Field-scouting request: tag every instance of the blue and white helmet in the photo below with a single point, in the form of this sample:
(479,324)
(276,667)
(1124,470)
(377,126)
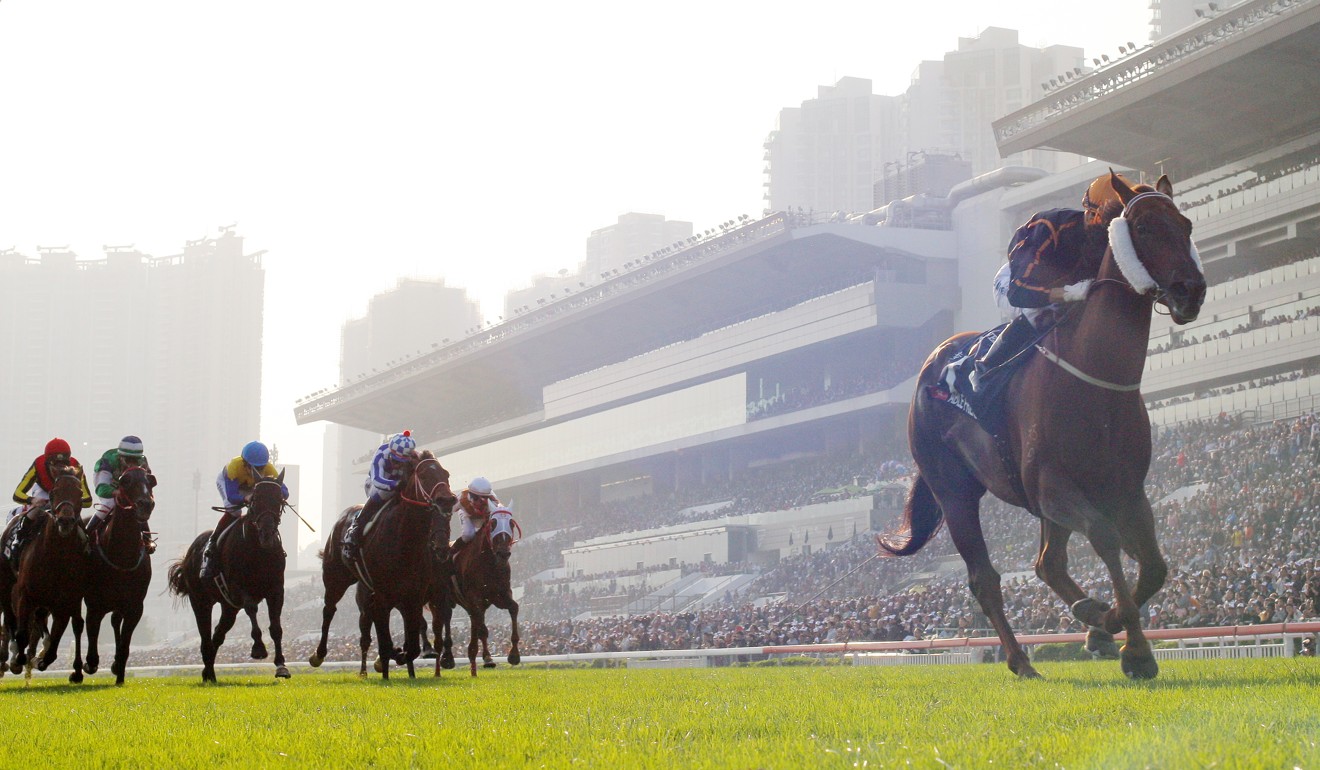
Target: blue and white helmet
(402,445)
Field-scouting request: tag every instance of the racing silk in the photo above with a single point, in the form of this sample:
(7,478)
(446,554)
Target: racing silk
(108,468)
(385,473)
(237,479)
(1043,254)
(38,481)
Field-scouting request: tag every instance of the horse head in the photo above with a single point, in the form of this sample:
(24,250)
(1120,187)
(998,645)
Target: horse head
(502,527)
(265,507)
(135,493)
(1152,246)
(428,487)
(66,497)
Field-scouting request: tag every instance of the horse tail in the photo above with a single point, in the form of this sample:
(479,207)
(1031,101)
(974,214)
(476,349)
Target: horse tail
(182,571)
(922,517)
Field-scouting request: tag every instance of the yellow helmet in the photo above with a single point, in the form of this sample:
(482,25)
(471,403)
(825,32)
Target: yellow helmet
(1100,195)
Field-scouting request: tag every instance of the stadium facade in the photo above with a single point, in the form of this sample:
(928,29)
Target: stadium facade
(787,337)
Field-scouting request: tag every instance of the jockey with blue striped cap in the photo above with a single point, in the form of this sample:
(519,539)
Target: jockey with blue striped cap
(391,464)
(235,483)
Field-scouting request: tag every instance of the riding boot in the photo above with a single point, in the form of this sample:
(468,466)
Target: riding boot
(17,539)
(93,525)
(1008,344)
(210,563)
(352,548)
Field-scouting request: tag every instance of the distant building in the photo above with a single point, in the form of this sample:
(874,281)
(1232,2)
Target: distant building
(405,322)
(165,348)
(924,173)
(610,250)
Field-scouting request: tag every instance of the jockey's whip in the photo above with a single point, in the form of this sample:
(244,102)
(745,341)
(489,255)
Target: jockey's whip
(299,515)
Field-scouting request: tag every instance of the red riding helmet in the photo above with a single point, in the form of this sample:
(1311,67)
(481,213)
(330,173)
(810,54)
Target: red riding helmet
(58,446)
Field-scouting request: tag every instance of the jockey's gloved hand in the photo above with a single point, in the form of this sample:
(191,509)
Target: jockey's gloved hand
(1076,292)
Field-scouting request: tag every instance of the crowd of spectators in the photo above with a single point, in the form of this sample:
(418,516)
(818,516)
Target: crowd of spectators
(1251,323)
(1264,174)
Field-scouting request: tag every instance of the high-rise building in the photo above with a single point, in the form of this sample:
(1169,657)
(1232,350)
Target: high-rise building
(827,154)
(407,321)
(165,348)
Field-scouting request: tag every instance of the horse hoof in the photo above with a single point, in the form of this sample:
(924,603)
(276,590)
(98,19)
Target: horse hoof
(1089,611)
(42,665)
(488,664)
(76,677)
(377,665)
(514,659)
(92,666)
(446,663)
(282,672)
(1101,644)
(258,652)
(118,670)
(362,675)
(1139,668)
(315,661)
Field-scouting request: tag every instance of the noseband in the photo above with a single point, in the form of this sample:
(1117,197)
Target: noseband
(425,498)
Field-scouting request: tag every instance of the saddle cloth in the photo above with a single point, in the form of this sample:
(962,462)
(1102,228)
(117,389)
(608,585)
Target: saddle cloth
(985,405)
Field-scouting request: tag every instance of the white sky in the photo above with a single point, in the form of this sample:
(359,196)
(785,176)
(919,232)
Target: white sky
(482,142)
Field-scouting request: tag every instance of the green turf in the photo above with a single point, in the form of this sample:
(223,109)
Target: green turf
(1224,714)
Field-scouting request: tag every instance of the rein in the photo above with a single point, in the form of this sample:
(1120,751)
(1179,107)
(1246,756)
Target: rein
(427,495)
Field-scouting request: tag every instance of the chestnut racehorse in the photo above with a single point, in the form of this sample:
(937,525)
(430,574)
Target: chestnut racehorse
(1077,443)
(252,567)
(121,569)
(52,573)
(395,555)
(478,577)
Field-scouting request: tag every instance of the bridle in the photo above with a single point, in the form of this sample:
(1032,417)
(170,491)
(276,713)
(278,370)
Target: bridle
(425,498)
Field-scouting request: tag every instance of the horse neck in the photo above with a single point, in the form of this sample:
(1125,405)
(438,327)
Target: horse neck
(122,533)
(1110,338)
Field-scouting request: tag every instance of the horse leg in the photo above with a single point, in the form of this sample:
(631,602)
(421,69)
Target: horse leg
(93,633)
(445,636)
(336,582)
(77,676)
(412,630)
(478,621)
(202,614)
(384,643)
(1052,569)
(364,637)
(258,648)
(227,617)
(1138,538)
(962,517)
(274,609)
(514,657)
(428,651)
(1137,662)
(123,637)
(50,651)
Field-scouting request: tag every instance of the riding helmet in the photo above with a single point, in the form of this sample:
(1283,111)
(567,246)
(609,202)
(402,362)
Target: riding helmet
(402,445)
(58,446)
(130,446)
(256,454)
(480,486)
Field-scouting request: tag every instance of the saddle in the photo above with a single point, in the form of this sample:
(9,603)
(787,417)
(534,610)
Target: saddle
(986,405)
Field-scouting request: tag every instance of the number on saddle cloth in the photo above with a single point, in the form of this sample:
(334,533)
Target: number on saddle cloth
(986,404)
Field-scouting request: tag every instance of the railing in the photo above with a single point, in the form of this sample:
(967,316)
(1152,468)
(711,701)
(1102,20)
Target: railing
(1264,640)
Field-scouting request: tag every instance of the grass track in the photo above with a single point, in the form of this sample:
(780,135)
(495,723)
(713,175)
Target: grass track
(1226,714)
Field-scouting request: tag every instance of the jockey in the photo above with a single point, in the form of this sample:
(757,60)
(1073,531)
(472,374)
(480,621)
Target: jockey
(393,460)
(474,504)
(235,483)
(108,468)
(1042,255)
(34,491)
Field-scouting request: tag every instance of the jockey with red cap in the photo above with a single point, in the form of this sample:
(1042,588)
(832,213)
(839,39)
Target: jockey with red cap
(390,465)
(1043,255)
(235,484)
(475,503)
(34,491)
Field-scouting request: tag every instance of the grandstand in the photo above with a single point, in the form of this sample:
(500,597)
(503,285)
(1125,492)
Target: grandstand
(737,402)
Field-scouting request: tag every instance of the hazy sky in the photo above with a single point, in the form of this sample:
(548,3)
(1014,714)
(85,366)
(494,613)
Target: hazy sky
(360,142)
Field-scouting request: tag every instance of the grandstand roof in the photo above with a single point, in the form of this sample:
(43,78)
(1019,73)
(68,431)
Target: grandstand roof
(744,272)
(1215,92)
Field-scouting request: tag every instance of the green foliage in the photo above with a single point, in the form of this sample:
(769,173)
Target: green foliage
(1236,713)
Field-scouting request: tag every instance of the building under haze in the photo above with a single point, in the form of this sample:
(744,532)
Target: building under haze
(414,318)
(167,348)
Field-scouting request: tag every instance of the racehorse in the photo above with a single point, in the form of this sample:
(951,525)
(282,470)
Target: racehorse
(393,566)
(52,573)
(121,569)
(1076,446)
(478,578)
(250,572)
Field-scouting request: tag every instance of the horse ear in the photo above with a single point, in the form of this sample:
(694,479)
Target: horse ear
(1124,192)
(1164,185)
(280,478)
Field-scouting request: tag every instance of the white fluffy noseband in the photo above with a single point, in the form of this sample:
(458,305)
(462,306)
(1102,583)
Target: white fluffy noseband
(1125,253)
